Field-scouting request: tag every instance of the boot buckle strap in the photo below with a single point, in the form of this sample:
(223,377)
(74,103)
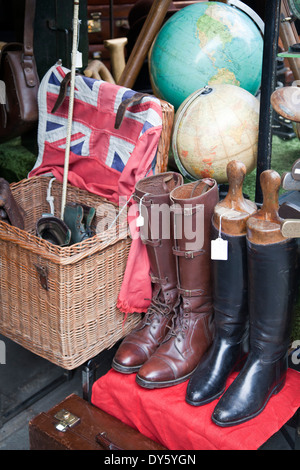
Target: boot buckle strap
(145,202)
(185,211)
(187,254)
(153,243)
(190,293)
(157,280)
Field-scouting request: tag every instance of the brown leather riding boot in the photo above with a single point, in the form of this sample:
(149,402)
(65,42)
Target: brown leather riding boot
(14,213)
(152,193)
(192,331)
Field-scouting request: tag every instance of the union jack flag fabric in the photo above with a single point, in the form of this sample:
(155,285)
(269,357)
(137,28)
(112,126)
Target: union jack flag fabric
(103,160)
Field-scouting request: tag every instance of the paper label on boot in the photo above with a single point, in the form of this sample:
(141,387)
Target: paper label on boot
(219,249)
(140,221)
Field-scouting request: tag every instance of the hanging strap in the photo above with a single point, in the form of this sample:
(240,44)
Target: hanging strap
(28,55)
(62,92)
(136,98)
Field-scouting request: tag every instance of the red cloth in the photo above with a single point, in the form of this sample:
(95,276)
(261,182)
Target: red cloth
(164,416)
(139,285)
(103,160)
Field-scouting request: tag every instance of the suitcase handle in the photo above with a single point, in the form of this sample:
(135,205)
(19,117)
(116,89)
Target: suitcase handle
(105,442)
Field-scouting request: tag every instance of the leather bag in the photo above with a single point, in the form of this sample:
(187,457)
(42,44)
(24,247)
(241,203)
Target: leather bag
(19,82)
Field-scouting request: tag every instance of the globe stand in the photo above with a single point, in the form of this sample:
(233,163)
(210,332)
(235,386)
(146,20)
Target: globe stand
(214,125)
(251,13)
(203,91)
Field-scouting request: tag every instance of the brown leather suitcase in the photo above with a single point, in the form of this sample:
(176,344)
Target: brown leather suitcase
(75,424)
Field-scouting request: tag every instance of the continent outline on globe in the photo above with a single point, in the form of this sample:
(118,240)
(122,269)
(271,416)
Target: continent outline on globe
(227,46)
(203,148)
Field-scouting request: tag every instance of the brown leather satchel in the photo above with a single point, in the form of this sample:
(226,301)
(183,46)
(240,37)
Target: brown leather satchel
(19,83)
(76,424)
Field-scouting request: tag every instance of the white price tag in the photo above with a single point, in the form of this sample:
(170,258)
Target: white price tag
(140,221)
(78,59)
(219,249)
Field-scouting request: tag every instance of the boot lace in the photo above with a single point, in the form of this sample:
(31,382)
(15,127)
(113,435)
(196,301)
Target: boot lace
(179,323)
(156,309)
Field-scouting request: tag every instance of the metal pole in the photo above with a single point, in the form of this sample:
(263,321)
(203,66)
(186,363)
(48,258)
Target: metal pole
(71,106)
(268,84)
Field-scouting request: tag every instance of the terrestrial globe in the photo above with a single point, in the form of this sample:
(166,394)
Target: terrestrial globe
(213,126)
(206,43)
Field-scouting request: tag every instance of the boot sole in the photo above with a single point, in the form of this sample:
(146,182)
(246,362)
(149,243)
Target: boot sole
(125,370)
(275,390)
(150,385)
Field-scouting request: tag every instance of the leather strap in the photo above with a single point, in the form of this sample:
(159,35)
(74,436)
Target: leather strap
(177,209)
(153,243)
(28,56)
(157,280)
(205,182)
(105,442)
(28,27)
(62,92)
(190,293)
(188,254)
(136,98)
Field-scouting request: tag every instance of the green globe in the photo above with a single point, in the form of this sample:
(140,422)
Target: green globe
(206,43)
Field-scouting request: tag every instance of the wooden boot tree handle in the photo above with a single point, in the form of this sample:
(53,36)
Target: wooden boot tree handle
(143,43)
(97,70)
(264,227)
(116,47)
(234,210)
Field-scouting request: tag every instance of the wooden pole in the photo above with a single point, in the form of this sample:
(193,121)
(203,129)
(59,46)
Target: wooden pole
(143,43)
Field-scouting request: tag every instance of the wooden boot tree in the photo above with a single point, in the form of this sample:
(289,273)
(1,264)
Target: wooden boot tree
(234,210)
(264,227)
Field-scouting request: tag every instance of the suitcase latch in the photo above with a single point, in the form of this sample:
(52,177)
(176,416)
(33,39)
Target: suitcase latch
(66,420)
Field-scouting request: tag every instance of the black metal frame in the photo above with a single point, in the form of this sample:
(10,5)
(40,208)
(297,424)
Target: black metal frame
(268,84)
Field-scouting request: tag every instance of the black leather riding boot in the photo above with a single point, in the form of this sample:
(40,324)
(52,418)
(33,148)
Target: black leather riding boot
(231,314)
(271,294)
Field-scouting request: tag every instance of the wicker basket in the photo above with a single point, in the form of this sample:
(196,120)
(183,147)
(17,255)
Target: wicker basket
(60,303)
(162,156)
